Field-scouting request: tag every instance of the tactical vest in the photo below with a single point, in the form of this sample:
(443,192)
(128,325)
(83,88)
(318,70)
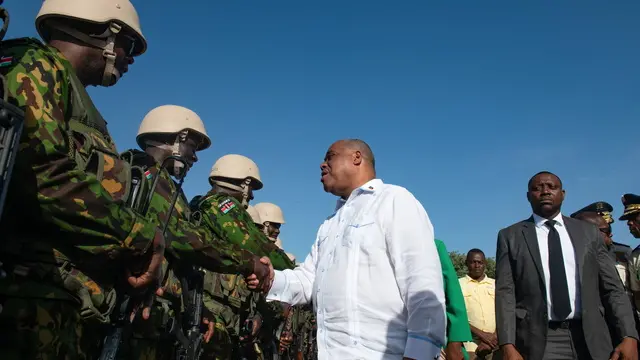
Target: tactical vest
(142,188)
(141,180)
(92,148)
(228,290)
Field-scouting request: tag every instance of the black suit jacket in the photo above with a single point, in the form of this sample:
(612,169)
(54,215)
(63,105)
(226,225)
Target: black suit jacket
(521,300)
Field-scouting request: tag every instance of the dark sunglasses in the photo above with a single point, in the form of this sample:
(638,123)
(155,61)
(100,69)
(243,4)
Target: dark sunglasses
(128,44)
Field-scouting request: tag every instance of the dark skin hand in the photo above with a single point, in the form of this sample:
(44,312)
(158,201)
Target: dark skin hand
(147,278)
(509,352)
(285,342)
(453,351)
(491,339)
(261,282)
(262,277)
(627,350)
(257,325)
(484,349)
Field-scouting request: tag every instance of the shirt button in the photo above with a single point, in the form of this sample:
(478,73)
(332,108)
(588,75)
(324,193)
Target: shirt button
(355,342)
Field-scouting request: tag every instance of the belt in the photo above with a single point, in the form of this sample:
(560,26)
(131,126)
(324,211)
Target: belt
(566,324)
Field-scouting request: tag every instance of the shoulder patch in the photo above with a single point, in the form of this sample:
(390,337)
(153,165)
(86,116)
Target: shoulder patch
(6,61)
(226,206)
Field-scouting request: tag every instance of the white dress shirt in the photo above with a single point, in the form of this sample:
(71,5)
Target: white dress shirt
(374,277)
(570,268)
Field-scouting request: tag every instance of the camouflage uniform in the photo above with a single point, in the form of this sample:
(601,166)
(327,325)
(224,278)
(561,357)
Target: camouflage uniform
(293,325)
(227,295)
(67,225)
(227,218)
(188,245)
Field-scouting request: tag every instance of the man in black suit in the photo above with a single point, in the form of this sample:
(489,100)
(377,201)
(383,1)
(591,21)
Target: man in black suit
(554,284)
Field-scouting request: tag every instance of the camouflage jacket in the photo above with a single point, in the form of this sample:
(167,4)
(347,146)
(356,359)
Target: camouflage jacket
(186,242)
(68,182)
(227,218)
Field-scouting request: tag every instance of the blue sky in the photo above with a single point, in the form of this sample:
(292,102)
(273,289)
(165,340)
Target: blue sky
(461,101)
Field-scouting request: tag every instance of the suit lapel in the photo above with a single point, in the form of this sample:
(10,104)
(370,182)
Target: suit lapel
(576,236)
(530,237)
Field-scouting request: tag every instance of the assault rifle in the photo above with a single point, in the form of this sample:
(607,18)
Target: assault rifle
(11,121)
(190,340)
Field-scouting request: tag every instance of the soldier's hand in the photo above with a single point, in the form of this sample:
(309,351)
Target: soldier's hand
(210,326)
(286,339)
(144,276)
(262,277)
(256,326)
(148,272)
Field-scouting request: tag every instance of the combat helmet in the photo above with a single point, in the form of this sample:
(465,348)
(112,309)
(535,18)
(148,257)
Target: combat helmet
(119,16)
(231,169)
(255,216)
(270,213)
(172,120)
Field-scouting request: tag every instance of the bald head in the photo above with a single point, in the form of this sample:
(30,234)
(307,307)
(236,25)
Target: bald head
(347,165)
(363,148)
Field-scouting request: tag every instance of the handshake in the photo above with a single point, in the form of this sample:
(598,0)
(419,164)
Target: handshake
(262,277)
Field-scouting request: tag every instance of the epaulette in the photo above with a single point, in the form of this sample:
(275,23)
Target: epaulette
(33,43)
(23,42)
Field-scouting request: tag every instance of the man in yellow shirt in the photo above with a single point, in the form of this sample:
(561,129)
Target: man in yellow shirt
(479,297)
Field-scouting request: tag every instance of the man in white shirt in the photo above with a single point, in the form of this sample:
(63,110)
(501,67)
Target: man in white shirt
(373,273)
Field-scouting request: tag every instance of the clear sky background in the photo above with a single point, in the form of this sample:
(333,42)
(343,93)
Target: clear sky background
(461,101)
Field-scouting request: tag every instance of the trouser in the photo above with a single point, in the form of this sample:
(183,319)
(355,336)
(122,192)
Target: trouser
(565,341)
(34,328)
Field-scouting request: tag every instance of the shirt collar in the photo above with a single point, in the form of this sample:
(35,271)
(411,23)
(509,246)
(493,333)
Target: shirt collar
(369,187)
(484,280)
(539,220)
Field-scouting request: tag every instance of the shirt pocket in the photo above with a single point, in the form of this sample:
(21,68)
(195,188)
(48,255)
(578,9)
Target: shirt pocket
(491,292)
(363,233)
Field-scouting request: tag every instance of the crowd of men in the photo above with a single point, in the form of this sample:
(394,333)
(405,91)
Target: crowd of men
(102,256)
(479,290)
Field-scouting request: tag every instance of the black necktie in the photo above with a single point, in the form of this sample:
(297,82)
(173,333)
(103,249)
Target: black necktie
(558,277)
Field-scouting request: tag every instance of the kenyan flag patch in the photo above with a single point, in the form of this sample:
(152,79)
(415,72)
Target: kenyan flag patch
(148,175)
(226,206)
(6,61)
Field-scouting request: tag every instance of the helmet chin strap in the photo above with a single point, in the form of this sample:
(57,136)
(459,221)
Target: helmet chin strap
(105,41)
(174,149)
(243,188)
